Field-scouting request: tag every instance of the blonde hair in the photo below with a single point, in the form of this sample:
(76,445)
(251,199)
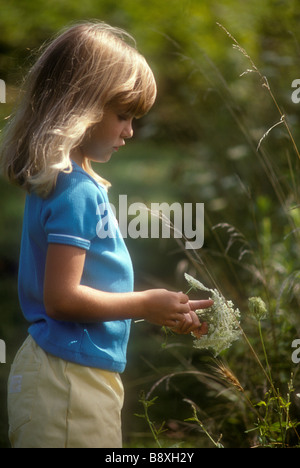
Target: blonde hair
(88,67)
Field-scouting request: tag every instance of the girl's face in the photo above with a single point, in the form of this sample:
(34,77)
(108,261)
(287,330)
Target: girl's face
(107,137)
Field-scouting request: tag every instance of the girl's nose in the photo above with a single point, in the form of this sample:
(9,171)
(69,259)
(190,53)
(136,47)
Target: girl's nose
(128,130)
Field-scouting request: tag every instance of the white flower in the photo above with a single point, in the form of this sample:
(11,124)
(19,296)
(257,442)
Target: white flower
(257,308)
(195,284)
(222,319)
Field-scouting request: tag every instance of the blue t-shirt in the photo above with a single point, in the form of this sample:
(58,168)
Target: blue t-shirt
(77,213)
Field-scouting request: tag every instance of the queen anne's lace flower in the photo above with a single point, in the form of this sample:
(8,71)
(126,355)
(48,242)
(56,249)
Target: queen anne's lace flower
(222,319)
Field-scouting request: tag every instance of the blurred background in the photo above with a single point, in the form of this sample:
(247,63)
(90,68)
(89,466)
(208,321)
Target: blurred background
(205,141)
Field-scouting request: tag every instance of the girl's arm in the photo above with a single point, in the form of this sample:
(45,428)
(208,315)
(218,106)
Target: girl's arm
(66,299)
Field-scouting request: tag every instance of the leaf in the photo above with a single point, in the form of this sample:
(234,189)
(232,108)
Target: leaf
(261,403)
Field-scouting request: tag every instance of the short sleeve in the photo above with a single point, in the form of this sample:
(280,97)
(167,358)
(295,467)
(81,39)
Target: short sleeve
(70,215)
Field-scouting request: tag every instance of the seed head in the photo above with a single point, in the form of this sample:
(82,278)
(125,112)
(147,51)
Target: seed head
(228,375)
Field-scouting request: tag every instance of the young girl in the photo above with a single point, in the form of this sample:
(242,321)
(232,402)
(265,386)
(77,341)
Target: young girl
(76,287)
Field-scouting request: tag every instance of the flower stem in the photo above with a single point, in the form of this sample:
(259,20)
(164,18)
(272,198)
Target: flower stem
(264,350)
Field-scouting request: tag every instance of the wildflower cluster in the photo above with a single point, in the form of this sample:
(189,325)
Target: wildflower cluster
(257,308)
(222,320)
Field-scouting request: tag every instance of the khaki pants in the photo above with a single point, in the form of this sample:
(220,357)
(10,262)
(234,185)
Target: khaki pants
(53,403)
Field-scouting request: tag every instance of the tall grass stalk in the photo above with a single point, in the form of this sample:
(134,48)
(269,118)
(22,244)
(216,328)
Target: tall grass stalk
(265,83)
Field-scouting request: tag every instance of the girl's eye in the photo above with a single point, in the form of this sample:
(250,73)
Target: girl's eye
(124,117)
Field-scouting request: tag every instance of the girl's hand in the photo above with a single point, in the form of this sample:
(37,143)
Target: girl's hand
(164,308)
(190,322)
(174,310)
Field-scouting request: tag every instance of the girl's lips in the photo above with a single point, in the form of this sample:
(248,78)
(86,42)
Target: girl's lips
(116,148)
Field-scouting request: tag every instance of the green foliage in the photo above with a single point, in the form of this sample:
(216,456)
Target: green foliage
(156,432)
(194,418)
(274,424)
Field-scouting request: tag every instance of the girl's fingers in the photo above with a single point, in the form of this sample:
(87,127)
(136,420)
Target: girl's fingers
(203,304)
(189,323)
(183,298)
(202,330)
(185,320)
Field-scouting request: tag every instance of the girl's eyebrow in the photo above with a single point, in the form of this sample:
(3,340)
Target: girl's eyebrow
(126,115)
(127,110)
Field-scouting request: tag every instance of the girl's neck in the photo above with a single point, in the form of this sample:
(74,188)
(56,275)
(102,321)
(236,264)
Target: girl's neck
(77,157)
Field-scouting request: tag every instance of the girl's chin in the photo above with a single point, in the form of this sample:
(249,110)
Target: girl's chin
(100,158)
